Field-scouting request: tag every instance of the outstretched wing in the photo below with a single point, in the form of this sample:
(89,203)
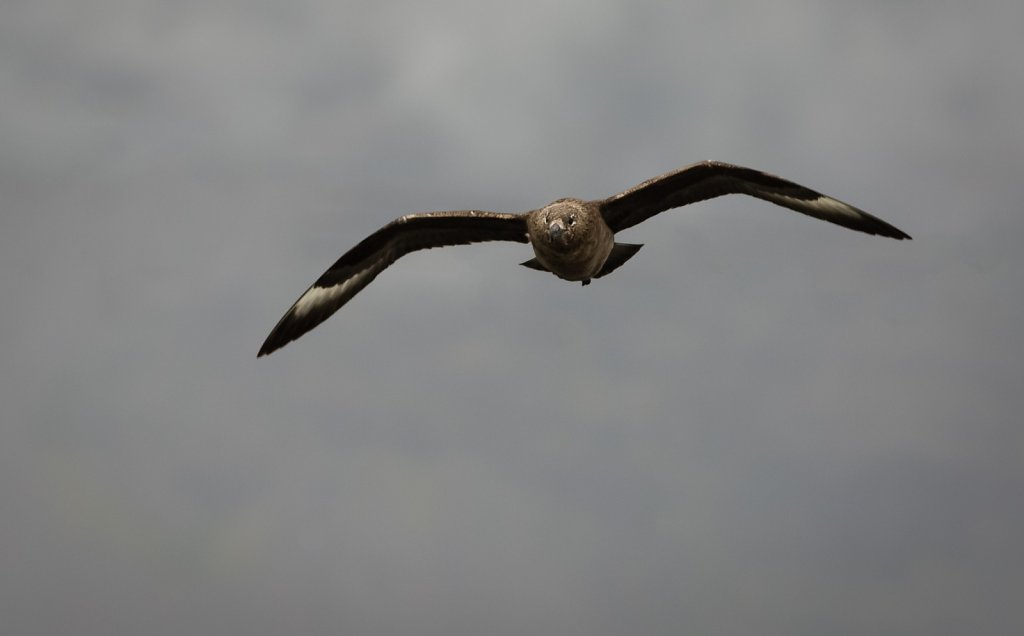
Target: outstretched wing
(370,257)
(709,179)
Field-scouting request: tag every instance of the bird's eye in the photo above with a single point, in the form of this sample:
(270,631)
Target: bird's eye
(572,219)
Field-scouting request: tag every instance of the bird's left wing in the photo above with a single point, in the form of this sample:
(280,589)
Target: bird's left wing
(361,264)
(709,179)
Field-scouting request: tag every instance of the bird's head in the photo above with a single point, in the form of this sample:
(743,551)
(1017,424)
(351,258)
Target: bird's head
(563,221)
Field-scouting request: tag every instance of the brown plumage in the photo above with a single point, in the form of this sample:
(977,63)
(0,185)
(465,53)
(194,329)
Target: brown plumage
(571,238)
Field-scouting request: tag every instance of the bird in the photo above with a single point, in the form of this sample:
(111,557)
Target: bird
(574,239)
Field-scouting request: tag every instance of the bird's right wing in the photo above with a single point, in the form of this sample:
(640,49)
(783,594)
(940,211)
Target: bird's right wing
(361,264)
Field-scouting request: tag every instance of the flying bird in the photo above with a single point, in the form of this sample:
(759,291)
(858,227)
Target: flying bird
(571,238)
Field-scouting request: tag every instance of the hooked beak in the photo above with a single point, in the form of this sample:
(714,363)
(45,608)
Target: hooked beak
(556,229)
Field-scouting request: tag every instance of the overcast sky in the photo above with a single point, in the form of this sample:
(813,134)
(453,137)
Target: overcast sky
(762,424)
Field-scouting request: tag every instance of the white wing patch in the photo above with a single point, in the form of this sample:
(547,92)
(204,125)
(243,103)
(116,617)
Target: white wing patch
(823,204)
(320,296)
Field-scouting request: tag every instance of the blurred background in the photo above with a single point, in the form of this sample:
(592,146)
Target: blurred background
(762,424)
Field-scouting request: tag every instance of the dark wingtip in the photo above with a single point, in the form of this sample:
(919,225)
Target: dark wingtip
(268,348)
(871,224)
(892,232)
(292,327)
(885,229)
(273,343)
(279,336)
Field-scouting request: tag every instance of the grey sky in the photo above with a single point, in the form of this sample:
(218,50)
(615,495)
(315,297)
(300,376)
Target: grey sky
(762,424)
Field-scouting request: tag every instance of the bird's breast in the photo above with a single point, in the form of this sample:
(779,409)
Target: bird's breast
(579,258)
